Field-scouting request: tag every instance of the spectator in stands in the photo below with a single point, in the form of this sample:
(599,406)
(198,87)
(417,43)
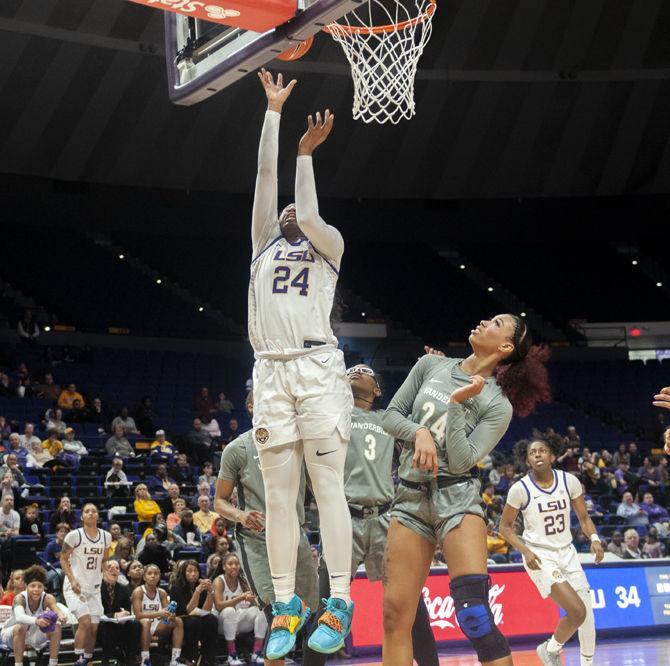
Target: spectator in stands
(15,585)
(581,542)
(122,639)
(216,531)
(118,444)
(497,546)
(631,511)
(207,475)
(489,494)
(232,431)
(168,504)
(98,414)
(116,481)
(636,457)
(10,520)
(115,534)
(73,446)
(126,421)
(54,421)
(202,404)
(190,592)
(572,439)
(135,574)
(63,514)
(160,483)
(77,414)
(173,519)
(569,461)
(506,480)
(52,556)
(48,389)
(211,426)
(28,329)
(29,437)
(6,387)
(624,480)
(205,516)
(19,454)
(68,396)
(182,472)
(223,404)
(144,506)
(52,444)
(31,525)
(199,442)
(655,512)
(5,429)
(621,455)
(649,474)
(155,553)
(663,476)
(124,554)
(203,488)
(187,529)
(592,507)
(11,466)
(631,549)
(145,416)
(160,446)
(652,547)
(38,456)
(616,545)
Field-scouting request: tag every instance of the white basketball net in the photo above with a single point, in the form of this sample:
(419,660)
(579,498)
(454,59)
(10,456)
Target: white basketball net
(384,62)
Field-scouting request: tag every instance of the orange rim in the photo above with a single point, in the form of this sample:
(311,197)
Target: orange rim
(392,27)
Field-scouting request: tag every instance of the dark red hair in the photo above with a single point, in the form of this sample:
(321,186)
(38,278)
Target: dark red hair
(525,381)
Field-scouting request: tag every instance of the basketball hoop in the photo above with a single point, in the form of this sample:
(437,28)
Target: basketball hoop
(383,41)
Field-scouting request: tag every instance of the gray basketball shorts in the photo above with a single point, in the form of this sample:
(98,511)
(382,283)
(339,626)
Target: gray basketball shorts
(369,540)
(254,557)
(432,513)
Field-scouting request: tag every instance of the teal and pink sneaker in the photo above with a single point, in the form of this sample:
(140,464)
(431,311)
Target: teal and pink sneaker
(333,626)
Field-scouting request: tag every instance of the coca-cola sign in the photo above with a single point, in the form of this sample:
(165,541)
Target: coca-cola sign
(513,598)
(442,611)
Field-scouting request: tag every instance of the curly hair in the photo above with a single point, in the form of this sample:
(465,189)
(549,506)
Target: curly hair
(523,376)
(554,442)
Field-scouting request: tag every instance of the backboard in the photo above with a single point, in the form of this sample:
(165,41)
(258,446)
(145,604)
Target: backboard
(204,58)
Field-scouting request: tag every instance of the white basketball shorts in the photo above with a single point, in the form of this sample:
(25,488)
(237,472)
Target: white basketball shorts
(84,604)
(557,566)
(36,639)
(304,397)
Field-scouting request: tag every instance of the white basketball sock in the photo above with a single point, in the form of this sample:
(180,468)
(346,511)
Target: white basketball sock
(281,467)
(326,471)
(553,645)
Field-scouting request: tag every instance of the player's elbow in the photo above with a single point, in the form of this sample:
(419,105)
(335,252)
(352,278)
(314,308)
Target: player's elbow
(461,466)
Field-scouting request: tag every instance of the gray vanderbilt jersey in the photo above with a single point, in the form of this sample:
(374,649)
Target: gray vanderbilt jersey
(368,467)
(463,433)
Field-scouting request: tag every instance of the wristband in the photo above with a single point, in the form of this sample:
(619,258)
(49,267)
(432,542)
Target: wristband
(594,538)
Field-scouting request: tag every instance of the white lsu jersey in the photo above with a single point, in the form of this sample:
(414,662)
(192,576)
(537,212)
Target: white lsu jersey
(229,594)
(86,559)
(291,292)
(151,604)
(546,512)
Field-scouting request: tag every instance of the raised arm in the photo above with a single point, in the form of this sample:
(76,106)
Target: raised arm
(326,239)
(264,222)
(465,450)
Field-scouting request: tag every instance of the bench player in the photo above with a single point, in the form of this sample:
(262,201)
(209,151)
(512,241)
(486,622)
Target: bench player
(545,496)
(83,554)
(302,400)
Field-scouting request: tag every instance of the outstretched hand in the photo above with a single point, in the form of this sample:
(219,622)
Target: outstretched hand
(276,93)
(317,132)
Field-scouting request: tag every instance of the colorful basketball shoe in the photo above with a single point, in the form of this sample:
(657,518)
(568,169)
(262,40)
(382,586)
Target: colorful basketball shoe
(333,626)
(288,620)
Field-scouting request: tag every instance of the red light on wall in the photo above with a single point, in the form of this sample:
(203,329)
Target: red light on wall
(635,332)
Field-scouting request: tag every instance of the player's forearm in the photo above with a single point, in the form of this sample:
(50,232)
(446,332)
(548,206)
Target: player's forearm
(587,526)
(326,239)
(265,197)
(508,533)
(226,510)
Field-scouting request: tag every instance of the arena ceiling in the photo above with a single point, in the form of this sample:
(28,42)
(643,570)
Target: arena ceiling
(516,98)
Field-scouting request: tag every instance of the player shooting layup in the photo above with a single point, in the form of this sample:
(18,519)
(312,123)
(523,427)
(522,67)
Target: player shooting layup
(303,401)
(544,496)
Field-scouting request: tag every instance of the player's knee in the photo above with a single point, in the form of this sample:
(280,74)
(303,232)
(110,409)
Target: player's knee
(471,599)
(577,612)
(20,629)
(397,613)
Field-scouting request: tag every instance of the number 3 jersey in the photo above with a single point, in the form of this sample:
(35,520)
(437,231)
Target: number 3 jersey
(368,468)
(546,511)
(86,559)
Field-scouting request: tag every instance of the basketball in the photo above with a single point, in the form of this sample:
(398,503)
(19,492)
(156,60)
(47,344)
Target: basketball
(298,51)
